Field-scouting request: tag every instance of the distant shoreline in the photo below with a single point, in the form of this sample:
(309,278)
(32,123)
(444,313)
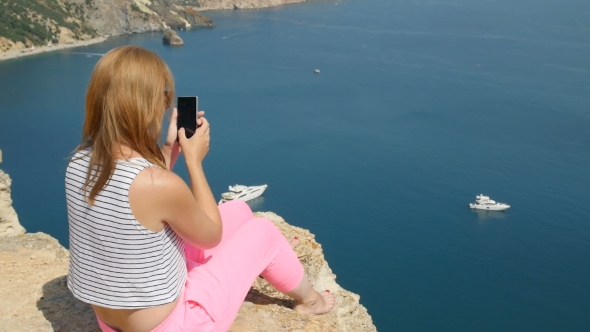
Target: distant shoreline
(14,54)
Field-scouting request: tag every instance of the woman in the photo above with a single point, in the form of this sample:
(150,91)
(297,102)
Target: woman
(148,252)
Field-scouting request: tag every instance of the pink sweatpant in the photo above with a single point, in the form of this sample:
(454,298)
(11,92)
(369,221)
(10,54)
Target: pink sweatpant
(219,279)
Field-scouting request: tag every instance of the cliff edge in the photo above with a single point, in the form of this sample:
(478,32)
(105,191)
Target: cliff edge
(9,225)
(34,295)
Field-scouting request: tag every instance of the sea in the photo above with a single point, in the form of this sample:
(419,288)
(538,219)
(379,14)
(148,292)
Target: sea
(419,106)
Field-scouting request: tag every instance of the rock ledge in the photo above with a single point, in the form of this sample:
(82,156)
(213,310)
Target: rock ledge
(34,295)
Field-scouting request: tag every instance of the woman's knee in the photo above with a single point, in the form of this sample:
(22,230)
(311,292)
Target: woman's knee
(263,228)
(236,208)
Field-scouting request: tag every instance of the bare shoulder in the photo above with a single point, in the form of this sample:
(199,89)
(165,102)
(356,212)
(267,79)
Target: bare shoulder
(154,195)
(158,197)
(156,178)
(158,186)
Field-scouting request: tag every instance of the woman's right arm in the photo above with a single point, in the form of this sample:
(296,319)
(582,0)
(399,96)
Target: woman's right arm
(193,214)
(194,150)
(158,197)
(193,221)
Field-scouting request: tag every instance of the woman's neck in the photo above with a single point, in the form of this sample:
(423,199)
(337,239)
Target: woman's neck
(121,151)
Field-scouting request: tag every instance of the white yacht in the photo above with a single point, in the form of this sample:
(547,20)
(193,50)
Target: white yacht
(243,193)
(317,71)
(485,203)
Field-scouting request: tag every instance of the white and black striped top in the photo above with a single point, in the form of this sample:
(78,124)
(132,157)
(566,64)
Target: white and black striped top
(115,262)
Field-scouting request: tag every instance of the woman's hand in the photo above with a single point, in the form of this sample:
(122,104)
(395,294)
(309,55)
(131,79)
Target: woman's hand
(171,148)
(195,148)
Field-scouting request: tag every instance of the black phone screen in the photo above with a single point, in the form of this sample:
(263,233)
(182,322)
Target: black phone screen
(187,115)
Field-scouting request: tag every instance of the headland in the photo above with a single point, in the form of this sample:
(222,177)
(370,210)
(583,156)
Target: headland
(34,295)
(65,24)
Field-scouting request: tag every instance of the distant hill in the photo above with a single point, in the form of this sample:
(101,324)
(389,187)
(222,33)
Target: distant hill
(37,22)
(25,23)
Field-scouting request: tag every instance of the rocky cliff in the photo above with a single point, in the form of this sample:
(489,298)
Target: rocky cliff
(242,4)
(9,225)
(34,295)
(115,17)
(27,23)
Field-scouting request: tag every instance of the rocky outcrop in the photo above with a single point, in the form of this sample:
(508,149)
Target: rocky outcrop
(242,4)
(9,225)
(34,296)
(171,38)
(116,17)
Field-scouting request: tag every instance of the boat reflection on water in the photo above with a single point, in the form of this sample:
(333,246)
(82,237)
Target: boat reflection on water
(256,204)
(488,216)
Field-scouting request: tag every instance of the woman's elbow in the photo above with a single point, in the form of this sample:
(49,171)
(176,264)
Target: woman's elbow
(211,240)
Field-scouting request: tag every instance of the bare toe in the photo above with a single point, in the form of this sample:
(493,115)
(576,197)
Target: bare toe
(294,242)
(322,304)
(329,299)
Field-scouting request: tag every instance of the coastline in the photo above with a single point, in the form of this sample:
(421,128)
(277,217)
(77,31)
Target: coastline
(15,54)
(18,53)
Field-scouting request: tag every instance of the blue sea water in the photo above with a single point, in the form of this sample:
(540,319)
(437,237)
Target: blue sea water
(420,105)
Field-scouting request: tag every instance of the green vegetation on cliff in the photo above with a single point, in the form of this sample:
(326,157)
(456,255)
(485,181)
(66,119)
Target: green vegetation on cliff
(38,21)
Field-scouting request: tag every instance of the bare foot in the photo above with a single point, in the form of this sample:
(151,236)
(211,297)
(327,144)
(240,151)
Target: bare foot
(323,303)
(294,242)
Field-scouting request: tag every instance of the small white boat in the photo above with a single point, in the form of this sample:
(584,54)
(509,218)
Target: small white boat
(485,203)
(317,71)
(243,193)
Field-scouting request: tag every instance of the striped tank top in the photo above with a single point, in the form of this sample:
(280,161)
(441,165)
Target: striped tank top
(115,262)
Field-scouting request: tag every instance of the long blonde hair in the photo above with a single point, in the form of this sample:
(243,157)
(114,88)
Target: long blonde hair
(129,91)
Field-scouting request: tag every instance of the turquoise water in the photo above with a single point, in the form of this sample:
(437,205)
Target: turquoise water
(420,105)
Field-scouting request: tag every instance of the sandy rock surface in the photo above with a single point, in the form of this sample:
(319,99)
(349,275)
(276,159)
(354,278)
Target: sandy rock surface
(33,293)
(34,296)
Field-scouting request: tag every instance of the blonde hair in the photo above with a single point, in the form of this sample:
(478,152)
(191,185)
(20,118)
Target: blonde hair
(129,91)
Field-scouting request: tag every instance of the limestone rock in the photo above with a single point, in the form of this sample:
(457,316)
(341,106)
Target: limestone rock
(9,225)
(242,4)
(195,18)
(33,292)
(34,295)
(116,17)
(171,38)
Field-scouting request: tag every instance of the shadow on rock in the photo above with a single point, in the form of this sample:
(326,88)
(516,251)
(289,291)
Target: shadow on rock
(63,311)
(257,297)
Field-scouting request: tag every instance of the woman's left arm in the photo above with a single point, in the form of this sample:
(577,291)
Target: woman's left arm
(171,154)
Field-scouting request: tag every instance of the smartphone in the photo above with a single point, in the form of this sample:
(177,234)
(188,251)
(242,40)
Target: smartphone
(187,114)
